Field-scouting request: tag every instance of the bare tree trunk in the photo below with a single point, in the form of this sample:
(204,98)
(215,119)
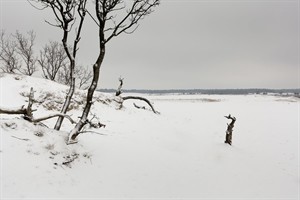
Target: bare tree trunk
(89,99)
(229,130)
(81,11)
(67,101)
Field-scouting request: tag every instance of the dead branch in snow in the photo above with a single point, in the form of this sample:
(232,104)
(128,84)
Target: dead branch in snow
(141,99)
(119,92)
(96,124)
(27,112)
(24,139)
(53,115)
(139,107)
(13,111)
(229,130)
(91,122)
(70,159)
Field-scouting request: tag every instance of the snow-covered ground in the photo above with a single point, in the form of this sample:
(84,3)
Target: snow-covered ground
(179,154)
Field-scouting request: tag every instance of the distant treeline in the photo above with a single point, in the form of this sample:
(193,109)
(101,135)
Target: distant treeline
(209,91)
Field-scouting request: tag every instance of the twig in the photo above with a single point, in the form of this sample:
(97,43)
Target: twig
(71,160)
(92,132)
(139,107)
(25,139)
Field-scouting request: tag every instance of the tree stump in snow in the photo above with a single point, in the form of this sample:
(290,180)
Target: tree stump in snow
(229,130)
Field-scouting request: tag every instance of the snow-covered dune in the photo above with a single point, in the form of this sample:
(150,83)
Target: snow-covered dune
(178,154)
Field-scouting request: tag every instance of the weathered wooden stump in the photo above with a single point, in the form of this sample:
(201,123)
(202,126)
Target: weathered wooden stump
(229,130)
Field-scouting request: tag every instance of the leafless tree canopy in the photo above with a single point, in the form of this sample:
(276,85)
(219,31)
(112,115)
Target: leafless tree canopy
(83,76)
(24,47)
(9,58)
(115,17)
(52,58)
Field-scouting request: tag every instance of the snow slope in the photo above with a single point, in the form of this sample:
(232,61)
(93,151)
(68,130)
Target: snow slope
(179,154)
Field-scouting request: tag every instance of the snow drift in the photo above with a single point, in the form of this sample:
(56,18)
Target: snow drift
(178,154)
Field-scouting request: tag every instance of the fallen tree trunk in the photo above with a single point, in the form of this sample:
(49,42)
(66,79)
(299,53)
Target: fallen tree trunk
(27,112)
(23,111)
(142,99)
(119,92)
(13,111)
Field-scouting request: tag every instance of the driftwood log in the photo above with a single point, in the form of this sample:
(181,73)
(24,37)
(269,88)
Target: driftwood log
(229,130)
(119,92)
(27,112)
(141,99)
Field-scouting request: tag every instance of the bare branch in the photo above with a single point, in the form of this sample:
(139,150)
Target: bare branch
(52,59)
(24,139)
(93,18)
(13,111)
(142,99)
(42,8)
(51,24)
(139,9)
(53,115)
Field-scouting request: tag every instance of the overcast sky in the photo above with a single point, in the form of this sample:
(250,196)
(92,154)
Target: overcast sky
(187,44)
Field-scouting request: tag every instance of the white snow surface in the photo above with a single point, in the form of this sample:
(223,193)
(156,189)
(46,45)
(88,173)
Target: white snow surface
(178,154)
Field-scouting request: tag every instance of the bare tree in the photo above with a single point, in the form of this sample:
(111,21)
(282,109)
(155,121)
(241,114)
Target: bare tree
(8,54)
(24,47)
(65,12)
(52,58)
(111,25)
(113,17)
